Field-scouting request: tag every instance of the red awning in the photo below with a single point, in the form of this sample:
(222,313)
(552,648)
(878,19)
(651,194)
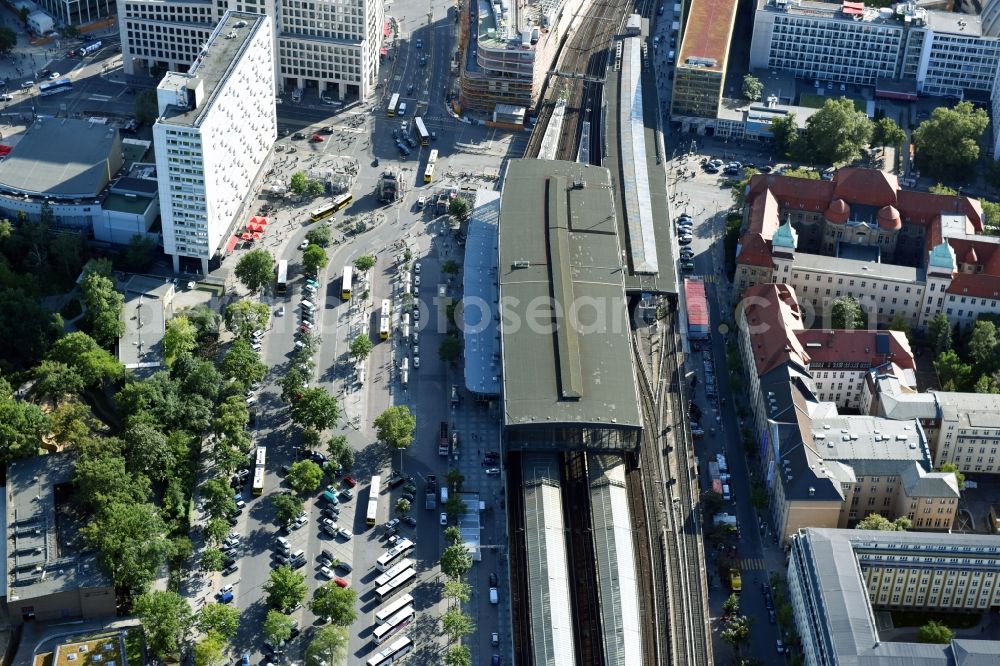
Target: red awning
(854,8)
(387,30)
(231,245)
(257,235)
(262,221)
(247,236)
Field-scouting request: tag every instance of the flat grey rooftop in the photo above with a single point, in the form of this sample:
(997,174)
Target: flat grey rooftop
(63,158)
(480,316)
(565,332)
(214,64)
(841,266)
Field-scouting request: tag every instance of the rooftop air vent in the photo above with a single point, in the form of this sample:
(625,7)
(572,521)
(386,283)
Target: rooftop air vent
(522,263)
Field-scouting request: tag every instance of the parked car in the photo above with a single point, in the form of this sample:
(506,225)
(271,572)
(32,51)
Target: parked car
(444,518)
(350,481)
(345,533)
(342,582)
(326,572)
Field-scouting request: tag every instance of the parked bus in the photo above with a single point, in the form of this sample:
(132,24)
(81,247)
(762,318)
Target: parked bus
(373,492)
(395,585)
(282,276)
(393,105)
(393,625)
(347,283)
(258,471)
(399,550)
(431,161)
(395,570)
(422,133)
(393,654)
(54,87)
(89,47)
(385,320)
(383,615)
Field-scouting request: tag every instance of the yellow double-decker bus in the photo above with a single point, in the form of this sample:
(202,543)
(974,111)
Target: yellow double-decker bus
(429,170)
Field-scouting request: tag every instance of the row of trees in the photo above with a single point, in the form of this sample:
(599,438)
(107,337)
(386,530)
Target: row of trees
(966,359)
(456,623)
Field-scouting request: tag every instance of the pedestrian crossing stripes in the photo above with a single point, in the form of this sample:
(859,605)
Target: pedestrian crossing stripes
(99,98)
(752,564)
(710,278)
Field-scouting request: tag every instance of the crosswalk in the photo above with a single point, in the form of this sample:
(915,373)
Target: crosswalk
(752,564)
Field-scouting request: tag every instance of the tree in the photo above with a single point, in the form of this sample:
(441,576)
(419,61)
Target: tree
(314,258)
(335,603)
(991,217)
(402,506)
(210,650)
(8,40)
(221,619)
(315,188)
(287,507)
(292,385)
(216,531)
(736,632)
(953,468)
(941,188)
(316,409)
(71,424)
(66,252)
(255,269)
(452,535)
(320,235)
(838,132)
(459,209)
(146,109)
(902,324)
(454,479)
(166,620)
(450,349)
(304,477)
(139,252)
(212,559)
(887,133)
(361,346)
(298,183)
(753,89)
(104,309)
(982,346)
(458,655)
(285,588)
(450,267)
(846,313)
(245,316)
(455,561)
(454,507)
(218,495)
(935,632)
(23,318)
(54,381)
(341,452)
(457,590)
(953,372)
(365,263)
(948,142)
(242,364)
(277,627)
(82,353)
(181,337)
(875,521)
(731,606)
(147,451)
(395,426)
(986,384)
(456,623)
(939,333)
(100,480)
(130,544)
(328,647)
(784,134)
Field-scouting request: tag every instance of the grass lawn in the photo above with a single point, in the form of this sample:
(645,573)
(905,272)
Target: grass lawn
(950,620)
(815,101)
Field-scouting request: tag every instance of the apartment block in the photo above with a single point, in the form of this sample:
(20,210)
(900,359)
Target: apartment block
(837,579)
(900,253)
(508,48)
(213,138)
(328,48)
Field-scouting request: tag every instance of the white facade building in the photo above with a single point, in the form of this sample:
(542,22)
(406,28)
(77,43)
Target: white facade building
(214,136)
(330,48)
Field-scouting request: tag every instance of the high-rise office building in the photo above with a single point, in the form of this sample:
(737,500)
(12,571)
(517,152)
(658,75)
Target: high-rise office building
(213,138)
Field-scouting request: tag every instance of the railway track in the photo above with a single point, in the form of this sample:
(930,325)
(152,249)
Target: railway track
(583,560)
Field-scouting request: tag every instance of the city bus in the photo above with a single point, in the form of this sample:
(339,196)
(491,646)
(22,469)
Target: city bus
(282,276)
(341,201)
(338,203)
(385,320)
(394,571)
(431,161)
(393,654)
(393,105)
(373,491)
(395,585)
(89,48)
(399,550)
(260,460)
(425,136)
(54,87)
(393,625)
(347,283)
(383,615)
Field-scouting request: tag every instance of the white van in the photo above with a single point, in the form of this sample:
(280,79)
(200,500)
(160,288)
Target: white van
(444,495)
(726,495)
(361,376)
(299,555)
(283,545)
(308,305)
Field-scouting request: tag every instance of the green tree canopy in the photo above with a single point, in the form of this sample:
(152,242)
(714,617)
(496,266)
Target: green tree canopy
(8,40)
(285,588)
(130,544)
(784,134)
(212,559)
(23,318)
(395,426)
(82,353)
(939,333)
(403,506)
(320,235)
(731,606)
(948,142)
(146,109)
(941,188)
(753,89)
(846,313)
(105,305)
(953,468)
(139,253)
(218,496)
(287,507)
(147,452)
(838,131)
(222,619)
(255,269)
(166,619)
(887,133)
(365,262)
(982,345)
(935,632)
(335,603)
(181,337)
(875,521)
(242,364)
(22,426)
(54,381)
(298,183)
(210,650)
(457,590)
(304,477)
(328,646)
(361,346)
(953,372)
(277,627)
(245,316)
(736,632)
(316,409)
(450,349)
(458,655)
(314,258)
(457,624)
(341,452)
(455,561)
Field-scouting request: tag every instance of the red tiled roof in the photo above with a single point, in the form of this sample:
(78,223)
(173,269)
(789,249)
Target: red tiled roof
(855,346)
(978,285)
(866,186)
(764,215)
(755,251)
(772,316)
(922,207)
